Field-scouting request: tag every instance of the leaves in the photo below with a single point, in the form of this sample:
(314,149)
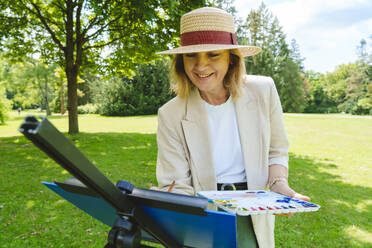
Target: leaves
(277,59)
(73,34)
(142,94)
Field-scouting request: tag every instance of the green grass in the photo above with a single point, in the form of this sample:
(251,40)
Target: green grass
(330,160)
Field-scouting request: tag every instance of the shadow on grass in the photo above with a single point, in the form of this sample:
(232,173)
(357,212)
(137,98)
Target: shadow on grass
(344,219)
(32,216)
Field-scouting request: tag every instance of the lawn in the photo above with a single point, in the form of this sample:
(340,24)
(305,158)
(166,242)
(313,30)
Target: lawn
(330,160)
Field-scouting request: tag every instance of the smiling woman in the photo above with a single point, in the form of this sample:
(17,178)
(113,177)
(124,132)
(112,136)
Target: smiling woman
(207,71)
(223,127)
(189,69)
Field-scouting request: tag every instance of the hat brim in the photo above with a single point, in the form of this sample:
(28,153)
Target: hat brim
(244,50)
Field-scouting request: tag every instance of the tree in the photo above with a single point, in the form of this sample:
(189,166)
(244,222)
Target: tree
(20,90)
(295,55)
(357,94)
(43,76)
(4,105)
(262,29)
(362,50)
(336,82)
(73,33)
(4,102)
(292,90)
(60,84)
(318,100)
(143,94)
(227,5)
(276,59)
(30,83)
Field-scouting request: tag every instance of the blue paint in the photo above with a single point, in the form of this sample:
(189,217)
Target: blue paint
(284,200)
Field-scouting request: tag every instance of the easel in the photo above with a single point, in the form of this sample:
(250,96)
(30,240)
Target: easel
(124,197)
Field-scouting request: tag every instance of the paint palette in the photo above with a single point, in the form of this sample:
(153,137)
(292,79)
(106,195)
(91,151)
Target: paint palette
(252,202)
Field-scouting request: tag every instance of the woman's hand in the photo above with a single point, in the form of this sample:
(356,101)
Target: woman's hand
(283,188)
(169,189)
(155,188)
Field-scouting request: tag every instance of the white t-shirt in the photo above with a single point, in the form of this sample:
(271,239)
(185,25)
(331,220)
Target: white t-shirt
(226,147)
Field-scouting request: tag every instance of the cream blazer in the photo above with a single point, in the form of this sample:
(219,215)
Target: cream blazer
(184,149)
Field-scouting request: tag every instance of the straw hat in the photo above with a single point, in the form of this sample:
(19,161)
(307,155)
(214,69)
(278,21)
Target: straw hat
(209,29)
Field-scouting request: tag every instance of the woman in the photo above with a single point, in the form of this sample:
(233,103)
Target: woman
(224,128)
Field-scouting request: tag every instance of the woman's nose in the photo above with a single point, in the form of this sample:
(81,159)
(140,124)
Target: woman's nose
(201,61)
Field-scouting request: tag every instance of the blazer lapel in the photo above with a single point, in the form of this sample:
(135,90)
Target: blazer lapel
(196,129)
(246,108)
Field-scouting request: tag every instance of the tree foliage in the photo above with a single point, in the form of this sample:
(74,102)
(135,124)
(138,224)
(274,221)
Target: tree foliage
(318,99)
(276,59)
(4,103)
(74,33)
(357,98)
(348,89)
(141,95)
(4,106)
(29,83)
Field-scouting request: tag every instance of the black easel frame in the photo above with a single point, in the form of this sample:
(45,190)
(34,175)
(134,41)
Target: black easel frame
(124,197)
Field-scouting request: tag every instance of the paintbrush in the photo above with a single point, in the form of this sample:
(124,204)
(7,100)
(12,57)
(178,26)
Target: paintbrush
(171,186)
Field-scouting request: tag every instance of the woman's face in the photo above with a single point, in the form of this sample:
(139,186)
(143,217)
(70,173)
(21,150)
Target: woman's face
(206,70)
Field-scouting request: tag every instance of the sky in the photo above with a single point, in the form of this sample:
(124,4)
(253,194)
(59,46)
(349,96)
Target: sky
(327,31)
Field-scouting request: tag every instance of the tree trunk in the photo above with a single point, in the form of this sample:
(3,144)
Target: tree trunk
(73,126)
(48,113)
(71,71)
(42,98)
(63,110)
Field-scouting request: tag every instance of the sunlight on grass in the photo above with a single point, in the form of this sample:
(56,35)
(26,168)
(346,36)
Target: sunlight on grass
(134,147)
(364,205)
(30,204)
(87,123)
(60,202)
(343,142)
(358,234)
(330,161)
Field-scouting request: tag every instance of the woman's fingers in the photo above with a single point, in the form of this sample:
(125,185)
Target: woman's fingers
(288,214)
(284,189)
(301,197)
(154,188)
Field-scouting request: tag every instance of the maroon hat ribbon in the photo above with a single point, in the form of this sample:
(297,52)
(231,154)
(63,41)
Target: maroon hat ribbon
(207,37)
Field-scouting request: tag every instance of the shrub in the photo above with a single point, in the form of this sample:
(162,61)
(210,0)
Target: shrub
(141,95)
(5,106)
(88,108)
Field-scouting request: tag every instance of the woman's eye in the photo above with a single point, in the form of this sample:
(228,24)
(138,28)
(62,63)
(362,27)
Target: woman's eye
(213,55)
(190,55)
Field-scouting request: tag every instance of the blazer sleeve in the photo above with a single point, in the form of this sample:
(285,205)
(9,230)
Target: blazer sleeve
(278,153)
(172,164)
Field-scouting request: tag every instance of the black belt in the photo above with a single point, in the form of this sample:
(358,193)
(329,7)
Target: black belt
(232,186)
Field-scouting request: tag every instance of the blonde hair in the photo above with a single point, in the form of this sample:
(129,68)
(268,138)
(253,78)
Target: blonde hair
(233,81)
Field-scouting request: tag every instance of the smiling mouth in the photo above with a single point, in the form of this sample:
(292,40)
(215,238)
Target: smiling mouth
(204,75)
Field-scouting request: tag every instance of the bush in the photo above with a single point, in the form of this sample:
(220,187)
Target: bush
(88,109)
(364,105)
(141,95)
(5,106)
